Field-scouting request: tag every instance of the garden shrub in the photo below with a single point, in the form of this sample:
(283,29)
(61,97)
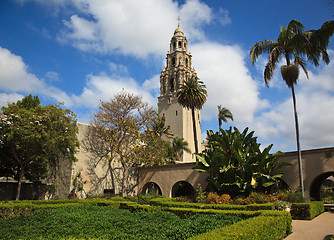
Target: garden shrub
(257,228)
(306,211)
(25,207)
(91,222)
(171,203)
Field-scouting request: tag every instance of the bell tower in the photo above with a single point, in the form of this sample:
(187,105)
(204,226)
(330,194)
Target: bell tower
(178,69)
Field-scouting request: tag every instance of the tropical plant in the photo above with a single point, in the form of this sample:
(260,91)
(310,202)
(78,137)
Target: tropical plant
(294,44)
(180,145)
(223,115)
(192,95)
(236,165)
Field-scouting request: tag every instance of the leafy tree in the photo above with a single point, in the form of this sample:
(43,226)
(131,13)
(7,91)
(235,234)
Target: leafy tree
(294,44)
(123,131)
(223,115)
(192,95)
(235,163)
(33,138)
(180,145)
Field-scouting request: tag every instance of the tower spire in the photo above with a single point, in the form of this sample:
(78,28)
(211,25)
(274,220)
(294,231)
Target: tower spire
(178,21)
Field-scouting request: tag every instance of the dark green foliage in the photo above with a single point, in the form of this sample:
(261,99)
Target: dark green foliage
(236,165)
(109,223)
(257,228)
(307,211)
(165,202)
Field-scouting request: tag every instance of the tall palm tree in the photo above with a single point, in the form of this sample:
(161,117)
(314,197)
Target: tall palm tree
(294,44)
(192,95)
(180,145)
(223,115)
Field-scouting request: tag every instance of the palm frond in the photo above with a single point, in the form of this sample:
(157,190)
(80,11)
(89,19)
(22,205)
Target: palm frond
(261,47)
(295,27)
(301,62)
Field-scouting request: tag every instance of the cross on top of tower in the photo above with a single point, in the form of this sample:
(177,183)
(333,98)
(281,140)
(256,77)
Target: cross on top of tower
(178,21)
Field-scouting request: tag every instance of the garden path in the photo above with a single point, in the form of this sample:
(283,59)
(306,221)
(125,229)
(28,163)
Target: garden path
(319,228)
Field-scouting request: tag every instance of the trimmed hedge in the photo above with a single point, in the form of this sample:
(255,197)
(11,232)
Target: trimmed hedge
(257,228)
(251,207)
(306,211)
(262,224)
(26,207)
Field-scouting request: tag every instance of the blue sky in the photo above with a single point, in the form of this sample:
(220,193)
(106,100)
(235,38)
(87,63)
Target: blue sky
(82,51)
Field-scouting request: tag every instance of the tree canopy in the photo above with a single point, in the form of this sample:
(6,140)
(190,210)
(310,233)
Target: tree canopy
(127,131)
(33,138)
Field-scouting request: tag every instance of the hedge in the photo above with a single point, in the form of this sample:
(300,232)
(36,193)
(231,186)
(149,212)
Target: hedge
(306,211)
(257,228)
(262,224)
(251,207)
(17,208)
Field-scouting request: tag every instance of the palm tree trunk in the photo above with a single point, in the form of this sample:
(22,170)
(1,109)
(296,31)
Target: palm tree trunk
(301,182)
(195,132)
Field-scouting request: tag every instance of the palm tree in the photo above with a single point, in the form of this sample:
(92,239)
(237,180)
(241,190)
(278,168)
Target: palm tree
(223,115)
(179,145)
(192,95)
(294,44)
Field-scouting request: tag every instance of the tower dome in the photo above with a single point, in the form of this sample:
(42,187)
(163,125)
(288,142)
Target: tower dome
(178,31)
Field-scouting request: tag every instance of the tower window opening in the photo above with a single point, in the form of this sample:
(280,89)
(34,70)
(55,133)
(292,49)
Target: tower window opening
(187,62)
(174,46)
(176,113)
(171,84)
(180,44)
(173,61)
(185,45)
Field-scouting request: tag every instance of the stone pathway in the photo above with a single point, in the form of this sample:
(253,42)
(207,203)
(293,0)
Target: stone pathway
(319,228)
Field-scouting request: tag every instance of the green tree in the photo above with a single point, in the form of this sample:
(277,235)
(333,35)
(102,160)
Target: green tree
(223,115)
(122,132)
(236,165)
(180,145)
(192,95)
(294,44)
(33,138)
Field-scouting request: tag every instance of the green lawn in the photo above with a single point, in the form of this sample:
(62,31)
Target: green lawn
(109,223)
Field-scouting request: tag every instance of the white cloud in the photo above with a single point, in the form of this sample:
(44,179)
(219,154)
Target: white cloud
(224,17)
(315,101)
(223,70)
(103,87)
(15,79)
(14,75)
(6,98)
(138,28)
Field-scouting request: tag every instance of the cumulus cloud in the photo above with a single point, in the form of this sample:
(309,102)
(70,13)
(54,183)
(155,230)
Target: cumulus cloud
(315,101)
(137,28)
(222,68)
(17,81)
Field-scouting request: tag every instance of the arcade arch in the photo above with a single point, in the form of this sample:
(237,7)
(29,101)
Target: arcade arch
(183,189)
(315,188)
(151,188)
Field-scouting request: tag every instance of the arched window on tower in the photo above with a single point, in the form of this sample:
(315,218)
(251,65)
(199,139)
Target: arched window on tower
(187,62)
(173,61)
(180,44)
(174,46)
(171,85)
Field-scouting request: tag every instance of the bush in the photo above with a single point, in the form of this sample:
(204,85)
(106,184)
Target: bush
(258,228)
(306,211)
(109,223)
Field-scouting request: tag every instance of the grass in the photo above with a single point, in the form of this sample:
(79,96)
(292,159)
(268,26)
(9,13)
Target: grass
(109,223)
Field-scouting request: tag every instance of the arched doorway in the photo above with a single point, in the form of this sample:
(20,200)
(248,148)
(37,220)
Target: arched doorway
(183,189)
(318,182)
(151,188)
